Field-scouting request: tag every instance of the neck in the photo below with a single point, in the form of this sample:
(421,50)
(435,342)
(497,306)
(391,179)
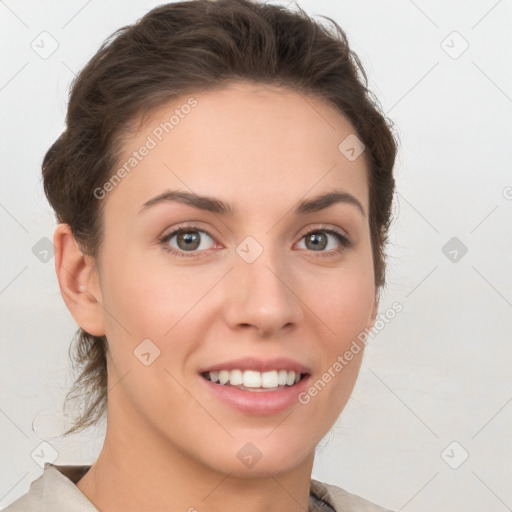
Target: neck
(135,472)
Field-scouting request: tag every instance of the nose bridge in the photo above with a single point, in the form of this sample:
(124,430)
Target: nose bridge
(260,293)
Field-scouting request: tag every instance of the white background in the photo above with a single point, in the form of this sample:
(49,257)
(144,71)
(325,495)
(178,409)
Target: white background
(438,373)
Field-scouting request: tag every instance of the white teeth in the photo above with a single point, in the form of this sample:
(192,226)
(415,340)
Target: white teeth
(282,377)
(236,377)
(269,379)
(254,379)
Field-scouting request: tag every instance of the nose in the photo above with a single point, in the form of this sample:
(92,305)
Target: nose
(260,295)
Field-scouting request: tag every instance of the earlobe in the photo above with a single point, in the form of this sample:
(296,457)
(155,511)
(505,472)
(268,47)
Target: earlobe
(78,281)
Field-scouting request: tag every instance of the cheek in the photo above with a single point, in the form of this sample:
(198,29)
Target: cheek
(160,303)
(149,298)
(145,302)
(342,301)
(344,307)
(352,303)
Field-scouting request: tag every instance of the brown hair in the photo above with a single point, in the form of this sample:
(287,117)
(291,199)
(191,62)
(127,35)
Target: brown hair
(182,48)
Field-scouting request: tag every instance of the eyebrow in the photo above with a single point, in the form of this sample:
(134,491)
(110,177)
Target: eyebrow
(214,205)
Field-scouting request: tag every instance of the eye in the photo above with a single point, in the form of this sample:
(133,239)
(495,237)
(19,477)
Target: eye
(193,240)
(318,240)
(187,239)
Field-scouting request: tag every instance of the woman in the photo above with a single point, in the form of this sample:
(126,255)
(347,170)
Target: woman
(223,190)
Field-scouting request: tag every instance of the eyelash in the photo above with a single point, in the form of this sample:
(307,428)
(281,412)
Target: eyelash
(345,243)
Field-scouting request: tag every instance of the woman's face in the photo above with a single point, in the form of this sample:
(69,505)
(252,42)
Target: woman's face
(256,280)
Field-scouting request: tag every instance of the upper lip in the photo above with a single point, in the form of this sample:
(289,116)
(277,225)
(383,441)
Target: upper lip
(260,365)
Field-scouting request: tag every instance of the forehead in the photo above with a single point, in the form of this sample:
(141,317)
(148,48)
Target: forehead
(245,143)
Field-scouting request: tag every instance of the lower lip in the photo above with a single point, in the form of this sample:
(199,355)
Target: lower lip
(258,402)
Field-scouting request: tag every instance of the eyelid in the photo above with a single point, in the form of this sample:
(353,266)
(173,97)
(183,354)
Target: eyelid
(325,227)
(344,239)
(164,239)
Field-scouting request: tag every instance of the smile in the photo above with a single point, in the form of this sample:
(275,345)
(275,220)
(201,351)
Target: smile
(256,400)
(251,380)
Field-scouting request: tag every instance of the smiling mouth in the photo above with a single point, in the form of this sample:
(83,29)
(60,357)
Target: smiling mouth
(254,381)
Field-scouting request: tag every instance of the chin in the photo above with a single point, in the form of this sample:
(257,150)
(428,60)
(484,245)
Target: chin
(258,458)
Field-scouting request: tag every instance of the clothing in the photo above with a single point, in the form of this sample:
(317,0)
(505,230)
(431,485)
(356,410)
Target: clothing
(55,491)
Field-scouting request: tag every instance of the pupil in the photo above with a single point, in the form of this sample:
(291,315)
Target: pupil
(314,239)
(191,240)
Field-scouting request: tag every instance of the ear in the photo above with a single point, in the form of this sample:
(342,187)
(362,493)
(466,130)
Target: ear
(78,281)
(374,312)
